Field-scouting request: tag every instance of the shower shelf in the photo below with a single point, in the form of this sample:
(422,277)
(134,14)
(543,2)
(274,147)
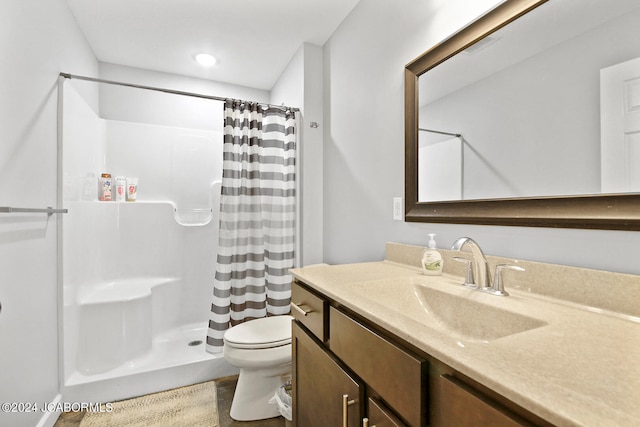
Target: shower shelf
(186,217)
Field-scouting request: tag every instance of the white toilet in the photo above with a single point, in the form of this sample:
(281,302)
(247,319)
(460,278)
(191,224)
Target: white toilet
(261,348)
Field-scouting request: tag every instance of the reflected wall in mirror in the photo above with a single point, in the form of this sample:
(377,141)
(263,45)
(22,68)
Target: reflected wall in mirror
(527,114)
(536,103)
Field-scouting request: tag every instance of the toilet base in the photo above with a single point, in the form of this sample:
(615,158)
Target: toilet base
(254,390)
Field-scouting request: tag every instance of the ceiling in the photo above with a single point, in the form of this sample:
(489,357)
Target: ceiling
(252,40)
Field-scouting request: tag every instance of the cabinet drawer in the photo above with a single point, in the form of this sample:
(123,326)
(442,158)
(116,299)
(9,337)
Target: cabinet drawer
(398,377)
(310,310)
(379,416)
(462,406)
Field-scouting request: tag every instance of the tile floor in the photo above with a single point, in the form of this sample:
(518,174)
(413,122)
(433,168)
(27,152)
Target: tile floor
(226,387)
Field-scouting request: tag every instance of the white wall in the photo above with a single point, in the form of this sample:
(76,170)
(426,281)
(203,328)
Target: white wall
(364,154)
(144,106)
(38,40)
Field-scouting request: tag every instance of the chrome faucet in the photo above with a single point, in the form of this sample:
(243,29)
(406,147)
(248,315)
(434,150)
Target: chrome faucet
(480,265)
(498,284)
(480,270)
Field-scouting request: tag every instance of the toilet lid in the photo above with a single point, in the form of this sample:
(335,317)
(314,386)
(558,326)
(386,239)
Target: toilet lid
(260,333)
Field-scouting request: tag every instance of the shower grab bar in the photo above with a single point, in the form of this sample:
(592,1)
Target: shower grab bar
(48,210)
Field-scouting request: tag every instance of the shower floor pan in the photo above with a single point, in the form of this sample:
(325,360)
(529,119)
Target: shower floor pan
(132,340)
(172,362)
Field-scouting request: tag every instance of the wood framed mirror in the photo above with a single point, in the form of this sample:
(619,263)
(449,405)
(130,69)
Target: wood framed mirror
(615,210)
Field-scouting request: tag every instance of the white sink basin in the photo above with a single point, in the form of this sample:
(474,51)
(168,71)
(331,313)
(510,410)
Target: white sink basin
(449,308)
(471,318)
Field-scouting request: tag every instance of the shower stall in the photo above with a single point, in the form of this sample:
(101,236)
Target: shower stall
(136,277)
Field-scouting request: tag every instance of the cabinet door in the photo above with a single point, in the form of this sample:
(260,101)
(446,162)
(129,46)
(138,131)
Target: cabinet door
(320,386)
(462,406)
(378,416)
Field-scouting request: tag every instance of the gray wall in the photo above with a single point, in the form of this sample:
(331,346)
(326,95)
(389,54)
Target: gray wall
(364,164)
(300,85)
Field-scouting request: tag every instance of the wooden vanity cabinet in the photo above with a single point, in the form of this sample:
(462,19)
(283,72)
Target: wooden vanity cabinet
(342,369)
(383,381)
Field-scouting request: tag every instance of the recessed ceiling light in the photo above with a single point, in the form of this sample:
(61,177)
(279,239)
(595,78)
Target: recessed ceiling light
(205,59)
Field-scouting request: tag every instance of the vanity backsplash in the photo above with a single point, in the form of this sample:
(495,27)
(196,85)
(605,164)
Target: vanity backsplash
(599,290)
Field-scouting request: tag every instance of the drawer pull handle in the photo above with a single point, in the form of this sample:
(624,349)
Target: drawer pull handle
(345,408)
(365,423)
(300,310)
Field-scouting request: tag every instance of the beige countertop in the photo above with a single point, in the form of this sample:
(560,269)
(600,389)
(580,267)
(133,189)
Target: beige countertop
(579,367)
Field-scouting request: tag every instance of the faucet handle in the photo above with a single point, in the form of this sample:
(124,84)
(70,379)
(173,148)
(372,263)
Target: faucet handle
(469,282)
(498,284)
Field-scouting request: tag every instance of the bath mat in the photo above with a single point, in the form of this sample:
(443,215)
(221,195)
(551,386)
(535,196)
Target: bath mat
(191,406)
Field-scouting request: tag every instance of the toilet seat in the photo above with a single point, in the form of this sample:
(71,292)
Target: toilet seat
(267,332)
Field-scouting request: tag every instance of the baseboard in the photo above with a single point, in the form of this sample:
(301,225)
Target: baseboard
(49,418)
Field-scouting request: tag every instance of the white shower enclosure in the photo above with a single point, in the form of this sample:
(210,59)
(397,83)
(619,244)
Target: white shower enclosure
(136,277)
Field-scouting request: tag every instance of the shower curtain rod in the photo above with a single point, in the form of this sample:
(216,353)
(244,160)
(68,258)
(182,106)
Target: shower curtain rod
(170,91)
(458,135)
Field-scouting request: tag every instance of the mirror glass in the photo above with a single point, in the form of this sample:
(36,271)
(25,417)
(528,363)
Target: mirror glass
(548,105)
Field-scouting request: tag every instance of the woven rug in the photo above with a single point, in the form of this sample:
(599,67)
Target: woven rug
(191,406)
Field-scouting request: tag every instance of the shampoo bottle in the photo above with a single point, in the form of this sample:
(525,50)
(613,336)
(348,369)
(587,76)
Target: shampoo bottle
(432,259)
(121,185)
(105,187)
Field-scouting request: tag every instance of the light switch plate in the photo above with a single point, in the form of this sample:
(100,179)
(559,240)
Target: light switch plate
(397,208)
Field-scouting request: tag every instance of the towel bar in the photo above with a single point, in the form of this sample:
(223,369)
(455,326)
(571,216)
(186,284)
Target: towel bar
(48,210)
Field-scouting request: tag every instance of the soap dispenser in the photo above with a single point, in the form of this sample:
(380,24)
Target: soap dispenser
(432,259)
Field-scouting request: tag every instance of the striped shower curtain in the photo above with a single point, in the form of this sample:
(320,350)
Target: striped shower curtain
(257,218)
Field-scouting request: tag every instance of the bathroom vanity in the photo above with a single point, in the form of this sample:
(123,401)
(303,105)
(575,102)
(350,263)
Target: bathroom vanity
(380,344)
